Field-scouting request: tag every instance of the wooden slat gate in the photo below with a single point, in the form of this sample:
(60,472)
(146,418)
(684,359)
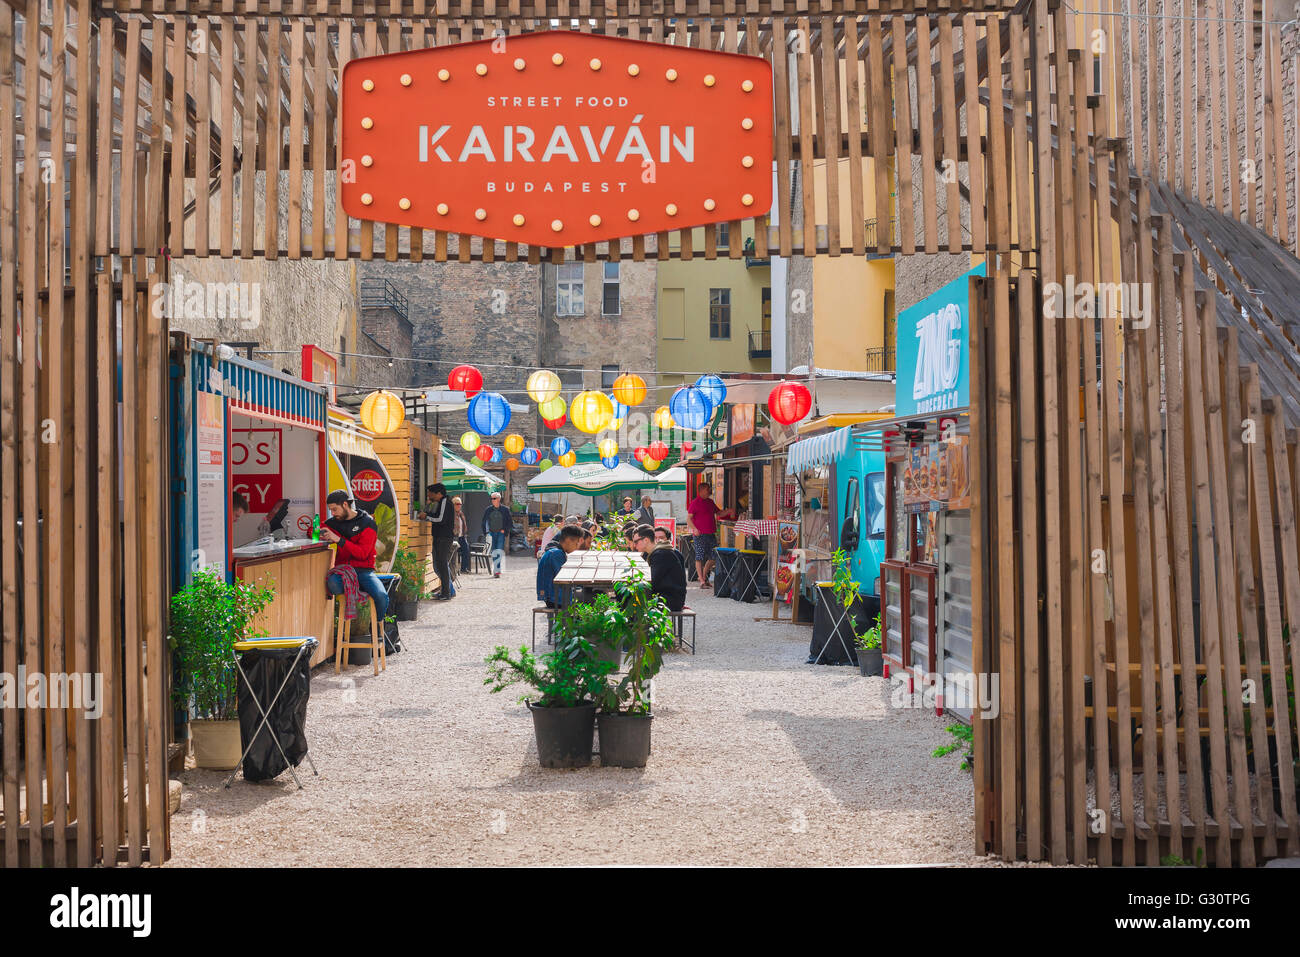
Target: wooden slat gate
(1125,529)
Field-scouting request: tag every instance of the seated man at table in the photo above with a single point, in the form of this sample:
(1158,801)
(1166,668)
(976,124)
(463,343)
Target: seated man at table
(667,571)
(566,540)
(355,533)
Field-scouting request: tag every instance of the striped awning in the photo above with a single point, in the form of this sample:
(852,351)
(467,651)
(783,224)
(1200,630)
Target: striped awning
(349,442)
(819,450)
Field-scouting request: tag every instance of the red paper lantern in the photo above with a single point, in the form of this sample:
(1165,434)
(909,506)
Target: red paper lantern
(658,450)
(789,402)
(483,452)
(687,446)
(555,423)
(465,379)
(640,452)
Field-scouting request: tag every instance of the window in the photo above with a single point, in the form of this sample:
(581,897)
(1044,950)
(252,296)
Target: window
(343,349)
(719,313)
(852,516)
(568,290)
(876,505)
(724,235)
(610,304)
(607,376)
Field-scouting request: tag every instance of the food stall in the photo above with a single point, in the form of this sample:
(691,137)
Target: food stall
(249,434)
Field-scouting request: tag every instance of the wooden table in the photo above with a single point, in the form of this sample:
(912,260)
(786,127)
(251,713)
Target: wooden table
(598,571)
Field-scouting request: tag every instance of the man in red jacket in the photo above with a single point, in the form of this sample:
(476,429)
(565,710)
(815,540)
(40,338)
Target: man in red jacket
(355,533)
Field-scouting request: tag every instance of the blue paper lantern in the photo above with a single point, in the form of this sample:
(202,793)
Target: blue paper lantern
(713,388)
(497,455)
(530,456)
(620,410)
(560,446)
(690,408)
(489,413)
(610,462)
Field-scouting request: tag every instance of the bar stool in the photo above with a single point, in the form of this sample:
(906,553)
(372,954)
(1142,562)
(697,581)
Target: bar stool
(343,632)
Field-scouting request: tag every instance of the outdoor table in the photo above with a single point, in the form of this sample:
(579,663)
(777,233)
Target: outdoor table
(598,571)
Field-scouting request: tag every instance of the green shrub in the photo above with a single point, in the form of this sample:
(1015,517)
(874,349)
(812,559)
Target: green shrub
(207,618)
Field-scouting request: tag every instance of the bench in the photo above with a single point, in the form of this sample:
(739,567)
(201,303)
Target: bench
(679,623)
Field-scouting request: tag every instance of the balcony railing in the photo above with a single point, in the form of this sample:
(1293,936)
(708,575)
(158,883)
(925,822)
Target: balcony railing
(752,259)
(760,344)
(881,360)
(379,293)
(873,240)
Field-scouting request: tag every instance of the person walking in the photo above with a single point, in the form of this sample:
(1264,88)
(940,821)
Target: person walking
(645,515)
(460,529)
(355,533)
(497,525)
(442,521)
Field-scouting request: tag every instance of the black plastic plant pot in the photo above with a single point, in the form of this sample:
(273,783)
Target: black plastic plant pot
(564,735)
(871,662)
(608,652)
(408,610)
(624,739)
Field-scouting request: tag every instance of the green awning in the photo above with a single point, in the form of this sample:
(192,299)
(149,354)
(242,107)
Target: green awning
(461,476)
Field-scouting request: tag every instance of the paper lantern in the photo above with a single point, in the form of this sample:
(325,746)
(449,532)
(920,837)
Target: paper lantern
(615,424)
(483,453)
(608,448)
(789,402)
(514,443)
(629,389)
(512,464)
(544,464)
(620,410)
(650,464)
(713,388)
(543,386)
(639,453)
(530,456)
(591,411)
(610,461)
(687,446)
(690,408)
(552,408)
(382,412)
(489,413)
(568,458)
(555,423)
(560,445)
(497,455)
(658,450)
(469,441)
(465,379)
(663,418)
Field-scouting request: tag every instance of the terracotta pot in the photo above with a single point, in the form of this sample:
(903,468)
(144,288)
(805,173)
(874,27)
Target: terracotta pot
(217,744)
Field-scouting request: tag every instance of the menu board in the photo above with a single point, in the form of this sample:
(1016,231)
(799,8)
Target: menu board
(787,541)
(210,482)
(937,476)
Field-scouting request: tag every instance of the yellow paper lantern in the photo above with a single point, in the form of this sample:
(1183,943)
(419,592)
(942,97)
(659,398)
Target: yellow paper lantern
(629,389)
(651,464)
(663,418)
(567,459)
(552,408)
(591,411)
(615,424)
(608,448)
(469,441)
(543,386)
(514,443)
(512,464)
(382,412)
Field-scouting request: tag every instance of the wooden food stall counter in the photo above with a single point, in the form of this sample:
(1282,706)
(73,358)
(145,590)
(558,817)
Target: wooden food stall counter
(297,572)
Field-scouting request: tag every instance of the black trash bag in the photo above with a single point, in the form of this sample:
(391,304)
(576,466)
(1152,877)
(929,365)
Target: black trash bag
(265,670)
(392,638)
(724,572)
(837,641)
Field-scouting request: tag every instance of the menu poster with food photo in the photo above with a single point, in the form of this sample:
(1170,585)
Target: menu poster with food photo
(955,471)
(916,479)
(787,539)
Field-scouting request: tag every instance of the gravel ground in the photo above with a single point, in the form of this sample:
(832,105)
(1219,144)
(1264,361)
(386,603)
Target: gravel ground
(758,759)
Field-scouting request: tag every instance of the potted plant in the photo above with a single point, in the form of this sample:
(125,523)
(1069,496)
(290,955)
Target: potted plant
(848,597)
(600,622)
(411,588)
(871,659)
(643,628)
(565,683)
(208,616)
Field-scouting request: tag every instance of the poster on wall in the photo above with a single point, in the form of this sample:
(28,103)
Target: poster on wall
(276,469)
(373,492)
(742,423)
(210,482)
(922,487)
(670,526)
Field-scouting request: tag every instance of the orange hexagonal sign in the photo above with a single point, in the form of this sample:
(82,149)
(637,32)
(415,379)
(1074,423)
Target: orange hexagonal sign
(557,138)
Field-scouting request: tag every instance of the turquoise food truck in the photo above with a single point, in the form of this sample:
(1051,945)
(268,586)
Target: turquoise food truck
(859,477)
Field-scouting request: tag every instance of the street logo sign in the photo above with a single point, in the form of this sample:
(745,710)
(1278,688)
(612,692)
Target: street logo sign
(556,138)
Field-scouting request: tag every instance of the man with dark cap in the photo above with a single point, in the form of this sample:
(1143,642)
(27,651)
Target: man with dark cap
(355,533)
(442,522)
